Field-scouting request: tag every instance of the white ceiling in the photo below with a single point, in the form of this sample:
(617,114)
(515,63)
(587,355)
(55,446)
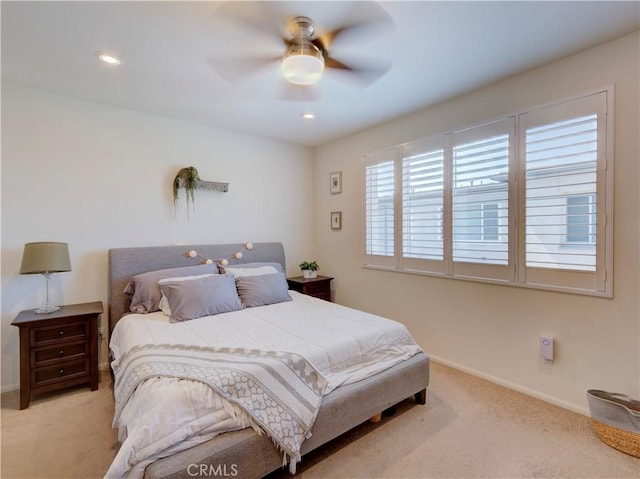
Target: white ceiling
(170,52)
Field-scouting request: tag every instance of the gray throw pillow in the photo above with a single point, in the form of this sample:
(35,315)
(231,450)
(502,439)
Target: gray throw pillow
(262,290)
(145,290)
(202,296)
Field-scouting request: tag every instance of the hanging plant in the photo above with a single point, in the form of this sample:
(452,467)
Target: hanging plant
(190,179)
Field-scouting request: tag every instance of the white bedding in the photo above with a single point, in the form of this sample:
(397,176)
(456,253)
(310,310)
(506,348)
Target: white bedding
(166,415)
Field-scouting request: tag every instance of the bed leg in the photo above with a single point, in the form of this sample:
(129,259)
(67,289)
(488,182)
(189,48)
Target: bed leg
(376,418)
(421,396)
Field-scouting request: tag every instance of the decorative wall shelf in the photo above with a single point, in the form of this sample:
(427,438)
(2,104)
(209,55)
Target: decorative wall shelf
(208,185)
(188,179)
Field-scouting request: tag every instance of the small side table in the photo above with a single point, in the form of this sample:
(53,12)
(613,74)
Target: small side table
(58,349)
(319,287)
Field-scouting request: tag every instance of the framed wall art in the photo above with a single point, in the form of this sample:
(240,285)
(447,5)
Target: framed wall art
(336,220)
(335,182)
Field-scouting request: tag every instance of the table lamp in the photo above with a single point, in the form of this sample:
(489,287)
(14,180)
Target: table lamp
(45,258)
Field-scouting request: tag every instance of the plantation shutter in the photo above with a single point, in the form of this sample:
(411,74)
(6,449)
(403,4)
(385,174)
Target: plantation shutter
(423,218)
(481,159)
(380,229)
(564,164)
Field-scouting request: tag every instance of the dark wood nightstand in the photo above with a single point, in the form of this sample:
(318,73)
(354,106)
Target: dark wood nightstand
(58,349)
(317,287)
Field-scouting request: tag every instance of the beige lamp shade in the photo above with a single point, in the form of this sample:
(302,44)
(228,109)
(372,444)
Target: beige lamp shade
(45,257)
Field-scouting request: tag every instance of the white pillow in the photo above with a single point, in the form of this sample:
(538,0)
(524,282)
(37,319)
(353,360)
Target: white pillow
(241,272)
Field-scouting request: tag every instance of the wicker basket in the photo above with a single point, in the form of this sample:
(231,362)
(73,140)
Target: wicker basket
(616,420)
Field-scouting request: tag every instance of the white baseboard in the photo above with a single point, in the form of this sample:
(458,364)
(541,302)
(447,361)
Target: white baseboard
(10,387)
(516,387)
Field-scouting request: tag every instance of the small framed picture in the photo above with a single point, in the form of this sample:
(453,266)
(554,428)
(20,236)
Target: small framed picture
(335,182)
(336,220)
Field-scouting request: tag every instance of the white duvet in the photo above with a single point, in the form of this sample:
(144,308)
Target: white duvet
(166,415)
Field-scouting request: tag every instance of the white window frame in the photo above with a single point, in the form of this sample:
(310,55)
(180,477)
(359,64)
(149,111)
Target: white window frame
(512,226)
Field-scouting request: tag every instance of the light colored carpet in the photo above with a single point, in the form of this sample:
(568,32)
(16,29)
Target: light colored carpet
(470,428)
(66,434)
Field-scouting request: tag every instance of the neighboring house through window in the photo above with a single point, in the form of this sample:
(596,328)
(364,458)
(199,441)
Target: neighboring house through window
(581,220)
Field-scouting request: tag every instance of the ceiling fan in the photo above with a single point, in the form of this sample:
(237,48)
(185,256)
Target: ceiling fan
(306,52)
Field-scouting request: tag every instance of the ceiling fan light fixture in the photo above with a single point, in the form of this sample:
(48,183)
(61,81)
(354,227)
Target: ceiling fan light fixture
(302,64)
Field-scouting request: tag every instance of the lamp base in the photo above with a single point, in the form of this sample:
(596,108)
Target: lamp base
(47,309)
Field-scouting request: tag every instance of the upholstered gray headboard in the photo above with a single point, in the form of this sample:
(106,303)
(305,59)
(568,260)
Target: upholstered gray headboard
(127,262)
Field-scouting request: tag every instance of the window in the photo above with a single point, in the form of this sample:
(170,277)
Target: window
(561,161)
(422,201)
(523,201)
(379,207)
(567,190)
(481,160)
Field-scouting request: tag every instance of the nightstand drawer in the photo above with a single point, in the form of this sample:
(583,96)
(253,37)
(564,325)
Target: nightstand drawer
(315,288)
(42,357)
(59,372)
(54,334)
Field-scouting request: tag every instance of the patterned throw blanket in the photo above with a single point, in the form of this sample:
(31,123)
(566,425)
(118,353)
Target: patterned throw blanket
(280,391)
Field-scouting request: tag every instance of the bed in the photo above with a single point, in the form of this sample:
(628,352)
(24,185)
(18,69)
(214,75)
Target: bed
(349,397)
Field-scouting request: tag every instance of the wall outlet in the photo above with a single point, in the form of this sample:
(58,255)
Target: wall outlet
(101,333)
(546,348)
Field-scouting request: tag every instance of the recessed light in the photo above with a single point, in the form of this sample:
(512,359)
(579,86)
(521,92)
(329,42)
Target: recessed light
(108,58)
(308,116)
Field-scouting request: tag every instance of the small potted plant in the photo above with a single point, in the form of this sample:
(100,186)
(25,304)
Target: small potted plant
(309,269)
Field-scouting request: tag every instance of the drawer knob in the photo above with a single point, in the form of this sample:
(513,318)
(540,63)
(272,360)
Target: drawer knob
(61,333)
(61,352)
(61,372)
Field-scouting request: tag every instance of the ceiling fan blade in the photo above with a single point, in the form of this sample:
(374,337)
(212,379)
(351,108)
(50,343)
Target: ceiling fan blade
(232,69)
(256,16)
(364,21)
(333,63)
(362,73)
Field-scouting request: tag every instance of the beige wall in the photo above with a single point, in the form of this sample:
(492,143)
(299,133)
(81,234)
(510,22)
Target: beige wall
(493,330)
(99,177)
